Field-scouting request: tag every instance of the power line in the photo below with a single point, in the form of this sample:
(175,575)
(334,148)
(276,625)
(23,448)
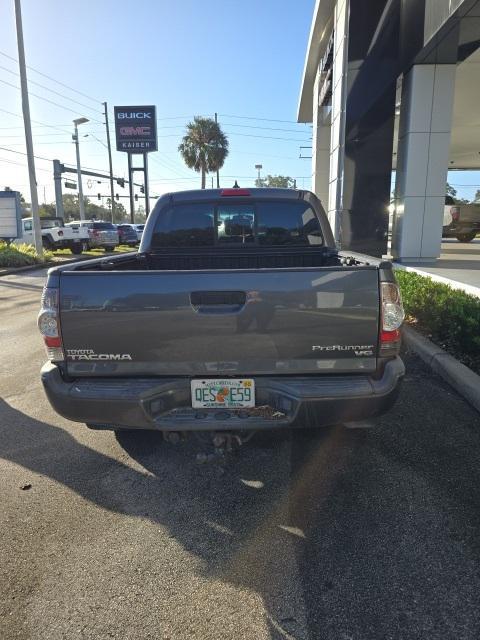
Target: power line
(47,100)
(17,115)
(22,153)
(249,126)
(251,135)
(52,79)
(20,164)
(224,115)
(20,144)
(57,93)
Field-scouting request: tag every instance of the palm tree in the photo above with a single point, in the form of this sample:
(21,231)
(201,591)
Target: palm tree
(204,147)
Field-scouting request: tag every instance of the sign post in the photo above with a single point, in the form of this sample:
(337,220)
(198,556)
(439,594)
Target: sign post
(136,133)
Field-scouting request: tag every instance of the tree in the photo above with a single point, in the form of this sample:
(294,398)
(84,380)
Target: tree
(450,191)
(119,215)
(25,206)
(285,182)
(204,148)
(47,210)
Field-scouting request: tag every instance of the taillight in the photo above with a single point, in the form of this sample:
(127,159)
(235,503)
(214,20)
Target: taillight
(455,213)
(392,316)
(49,325)
(235,192)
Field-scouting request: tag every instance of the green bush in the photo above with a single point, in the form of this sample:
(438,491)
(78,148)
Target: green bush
(449,316)
(20,255)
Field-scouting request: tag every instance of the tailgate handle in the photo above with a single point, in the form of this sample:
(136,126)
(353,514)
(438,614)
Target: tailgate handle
(217,301)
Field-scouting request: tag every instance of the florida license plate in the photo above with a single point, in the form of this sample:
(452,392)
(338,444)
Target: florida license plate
(226,394)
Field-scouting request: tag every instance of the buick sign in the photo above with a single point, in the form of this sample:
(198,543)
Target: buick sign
(136,129)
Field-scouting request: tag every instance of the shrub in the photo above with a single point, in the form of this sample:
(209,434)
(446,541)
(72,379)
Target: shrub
(449,316)
(20,255)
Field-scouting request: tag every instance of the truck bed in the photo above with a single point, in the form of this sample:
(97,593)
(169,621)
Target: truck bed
(203,313)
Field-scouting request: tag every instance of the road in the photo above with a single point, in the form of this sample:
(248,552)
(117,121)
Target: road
(338,535)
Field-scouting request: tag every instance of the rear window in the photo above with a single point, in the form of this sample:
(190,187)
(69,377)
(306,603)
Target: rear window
(50,223)
(103,226)
(264,223)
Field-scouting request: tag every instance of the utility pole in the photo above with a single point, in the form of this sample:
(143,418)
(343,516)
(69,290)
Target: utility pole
(259,167)
(218,172)
(79,169)
(112,193)
(37,231)
(130,186)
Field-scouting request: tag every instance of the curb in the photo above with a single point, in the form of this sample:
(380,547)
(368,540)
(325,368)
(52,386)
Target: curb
(44,265)
(456,374)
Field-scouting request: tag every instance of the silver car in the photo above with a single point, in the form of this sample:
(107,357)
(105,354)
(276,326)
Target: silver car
(101,234)
(139,230)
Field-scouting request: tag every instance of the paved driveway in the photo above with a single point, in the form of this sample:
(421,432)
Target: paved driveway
(335,535)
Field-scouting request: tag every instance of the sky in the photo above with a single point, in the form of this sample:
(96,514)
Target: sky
(240,58)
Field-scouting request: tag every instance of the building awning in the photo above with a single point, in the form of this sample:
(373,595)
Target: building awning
(317,42)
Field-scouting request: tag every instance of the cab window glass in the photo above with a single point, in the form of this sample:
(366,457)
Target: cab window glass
(236,224)
(287,223)
(185,225)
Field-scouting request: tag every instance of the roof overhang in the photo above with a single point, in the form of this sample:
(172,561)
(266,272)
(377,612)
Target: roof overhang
(317,42)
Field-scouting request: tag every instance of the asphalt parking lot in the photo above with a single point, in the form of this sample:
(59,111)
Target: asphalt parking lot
(335,535)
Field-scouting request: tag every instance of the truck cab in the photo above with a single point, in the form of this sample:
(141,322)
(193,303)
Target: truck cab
(55,235)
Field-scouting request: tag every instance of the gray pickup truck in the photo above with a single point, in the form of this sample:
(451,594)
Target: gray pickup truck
(237,313)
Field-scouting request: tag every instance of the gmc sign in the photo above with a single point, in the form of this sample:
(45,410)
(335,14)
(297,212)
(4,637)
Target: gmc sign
(136,129)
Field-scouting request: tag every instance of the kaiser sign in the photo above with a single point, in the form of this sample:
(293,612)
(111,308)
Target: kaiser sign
(136,129)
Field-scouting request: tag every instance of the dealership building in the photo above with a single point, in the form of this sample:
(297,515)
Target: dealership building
(392,88)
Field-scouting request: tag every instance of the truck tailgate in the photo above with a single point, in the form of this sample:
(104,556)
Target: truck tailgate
(194,323)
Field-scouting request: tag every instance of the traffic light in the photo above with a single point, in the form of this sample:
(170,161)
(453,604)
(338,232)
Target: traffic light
(117,196)
(99,195)
(136,197)
(121,183)
(142,189)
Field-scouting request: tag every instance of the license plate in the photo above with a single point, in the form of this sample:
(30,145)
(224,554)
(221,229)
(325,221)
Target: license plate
(226,394)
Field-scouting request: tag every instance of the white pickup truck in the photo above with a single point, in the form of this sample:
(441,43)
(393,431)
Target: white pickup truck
(55,235)
(461,221)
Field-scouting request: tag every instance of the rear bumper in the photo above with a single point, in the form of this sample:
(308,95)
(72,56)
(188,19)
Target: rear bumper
(461,227)
(164,404)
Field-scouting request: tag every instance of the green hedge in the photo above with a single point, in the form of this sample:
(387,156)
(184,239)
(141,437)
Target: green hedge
(20,255)
(449,316)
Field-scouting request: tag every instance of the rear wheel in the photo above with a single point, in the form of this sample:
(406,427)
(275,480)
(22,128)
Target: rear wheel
(47,243)
(76,249)
(466,237)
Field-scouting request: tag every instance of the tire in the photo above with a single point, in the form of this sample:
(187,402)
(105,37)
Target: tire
(76,249)
(466,237)
(109,249)
(47,243)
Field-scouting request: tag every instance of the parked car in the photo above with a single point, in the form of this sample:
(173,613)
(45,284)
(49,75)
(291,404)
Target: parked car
(127,235)
(101,234)
(55,235)
(139,229)
(238,313)
(461,221)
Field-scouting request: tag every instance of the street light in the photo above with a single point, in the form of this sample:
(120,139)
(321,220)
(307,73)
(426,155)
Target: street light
(79,170)
(258,167)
